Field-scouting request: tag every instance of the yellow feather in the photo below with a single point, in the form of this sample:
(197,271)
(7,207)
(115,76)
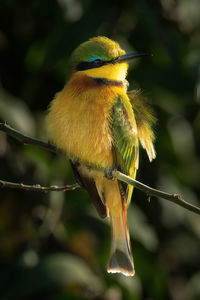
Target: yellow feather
(112,72)
(77,120)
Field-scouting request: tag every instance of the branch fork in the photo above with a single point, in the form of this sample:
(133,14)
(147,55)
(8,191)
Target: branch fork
(175,198)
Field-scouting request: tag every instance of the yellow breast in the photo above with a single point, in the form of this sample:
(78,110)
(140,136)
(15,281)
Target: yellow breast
(78,121)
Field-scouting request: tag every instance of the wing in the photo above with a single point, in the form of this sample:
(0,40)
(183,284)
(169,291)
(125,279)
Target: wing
(89,184)
(124,133)
(145,121)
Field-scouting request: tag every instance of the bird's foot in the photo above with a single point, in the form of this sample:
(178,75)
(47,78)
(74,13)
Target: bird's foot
(108,173)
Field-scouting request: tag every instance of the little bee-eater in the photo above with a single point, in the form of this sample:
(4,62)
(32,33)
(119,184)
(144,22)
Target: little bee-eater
(98,124)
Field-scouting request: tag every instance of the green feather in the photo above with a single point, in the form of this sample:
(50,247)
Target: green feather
(124,132)
(131,120)
(100,47)
(145,120)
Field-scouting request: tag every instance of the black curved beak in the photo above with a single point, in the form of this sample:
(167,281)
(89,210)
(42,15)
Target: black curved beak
(127,57)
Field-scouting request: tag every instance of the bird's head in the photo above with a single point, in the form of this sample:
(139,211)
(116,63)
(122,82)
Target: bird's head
(103,58)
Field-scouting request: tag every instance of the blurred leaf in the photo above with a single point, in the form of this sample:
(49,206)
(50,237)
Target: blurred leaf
(16,113)
(57,270)
(140,229)
(194,285)
(35,56)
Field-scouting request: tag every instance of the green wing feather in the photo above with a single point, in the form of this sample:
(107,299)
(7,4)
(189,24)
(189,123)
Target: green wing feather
(145,121)
(124,132)
(131,120)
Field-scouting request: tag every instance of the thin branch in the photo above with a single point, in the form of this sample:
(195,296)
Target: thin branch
(38,187)
(27,140)
(175,198)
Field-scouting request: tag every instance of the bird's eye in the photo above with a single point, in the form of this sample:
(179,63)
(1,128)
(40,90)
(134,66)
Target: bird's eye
(97,60)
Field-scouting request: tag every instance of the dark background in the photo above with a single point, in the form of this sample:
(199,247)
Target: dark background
(54,246)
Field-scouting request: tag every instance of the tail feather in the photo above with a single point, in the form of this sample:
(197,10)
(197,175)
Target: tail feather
(120,263)
(121,260)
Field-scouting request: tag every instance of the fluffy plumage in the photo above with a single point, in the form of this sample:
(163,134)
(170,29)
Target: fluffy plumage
(145,120)
(99,125)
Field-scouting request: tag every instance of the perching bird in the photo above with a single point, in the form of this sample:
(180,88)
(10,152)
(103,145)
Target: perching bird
(98,124)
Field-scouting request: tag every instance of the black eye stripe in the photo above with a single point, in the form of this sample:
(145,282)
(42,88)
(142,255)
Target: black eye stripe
(84,65)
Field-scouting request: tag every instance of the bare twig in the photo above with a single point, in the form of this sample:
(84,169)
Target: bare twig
(38,187)
(175,198)
(26,139)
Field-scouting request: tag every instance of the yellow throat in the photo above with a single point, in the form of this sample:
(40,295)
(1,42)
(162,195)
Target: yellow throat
(116,71)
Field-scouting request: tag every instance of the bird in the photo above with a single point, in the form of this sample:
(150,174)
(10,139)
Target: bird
(99,125)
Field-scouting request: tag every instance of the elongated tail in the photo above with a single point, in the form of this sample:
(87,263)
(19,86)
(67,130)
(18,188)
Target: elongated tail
(121,260)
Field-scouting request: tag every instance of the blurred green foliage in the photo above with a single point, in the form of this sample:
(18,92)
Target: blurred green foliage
(54,246)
